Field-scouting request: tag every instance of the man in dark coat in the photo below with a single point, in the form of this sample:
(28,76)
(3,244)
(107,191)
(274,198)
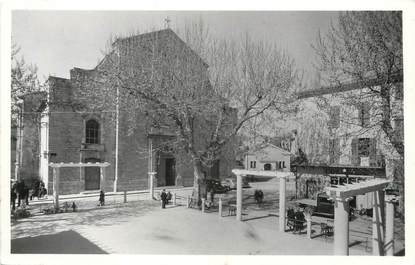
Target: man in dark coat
(101,198)
(163,197)
(20,190)
(13,195)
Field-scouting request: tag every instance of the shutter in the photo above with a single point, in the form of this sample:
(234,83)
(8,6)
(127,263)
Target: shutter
(355,156)
(336,121)
(331,151)
(336,150)
(372,152)
(334,117)
(366,115)
(360,113)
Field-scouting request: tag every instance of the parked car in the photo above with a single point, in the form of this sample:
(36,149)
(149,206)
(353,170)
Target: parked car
(215,186)
(325,207)
(230,183)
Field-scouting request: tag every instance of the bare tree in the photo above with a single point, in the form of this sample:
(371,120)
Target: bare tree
(24,80)
(205,93)
(364,50)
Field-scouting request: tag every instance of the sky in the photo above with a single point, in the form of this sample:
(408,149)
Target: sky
(57,41)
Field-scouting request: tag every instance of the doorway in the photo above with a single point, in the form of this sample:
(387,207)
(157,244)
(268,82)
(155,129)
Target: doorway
(170,172)
(92,175)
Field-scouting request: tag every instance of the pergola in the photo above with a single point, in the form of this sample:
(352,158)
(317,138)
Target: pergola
(275,174)
(382,238)
(56,179)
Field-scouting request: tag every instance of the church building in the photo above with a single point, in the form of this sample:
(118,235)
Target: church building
(88,118)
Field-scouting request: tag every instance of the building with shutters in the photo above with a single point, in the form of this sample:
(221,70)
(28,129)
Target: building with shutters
(60,125)
(341,125)
(268,157)
(339,130)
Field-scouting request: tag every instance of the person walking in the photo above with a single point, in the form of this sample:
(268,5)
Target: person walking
(20,190)
(13,196)
(163,197)
(101,198)
(168,197)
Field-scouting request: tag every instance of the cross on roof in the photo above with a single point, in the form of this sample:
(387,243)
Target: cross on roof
(167,22)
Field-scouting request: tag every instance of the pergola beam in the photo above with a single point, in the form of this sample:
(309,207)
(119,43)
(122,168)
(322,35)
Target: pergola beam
(262,173)
(59,165)
(341,194)
(56,178)
(274,174)
(351,190)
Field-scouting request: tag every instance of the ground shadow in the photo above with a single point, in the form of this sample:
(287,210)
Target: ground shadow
(102,216)
(66,242)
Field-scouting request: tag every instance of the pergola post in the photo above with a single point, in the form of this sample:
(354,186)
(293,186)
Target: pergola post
(389,224)
(340,194)
(203,205)
(102,178)
(239,197)
(151,184)
(341,227)
(378,223)
(220,207)
(282,203)
(56,187)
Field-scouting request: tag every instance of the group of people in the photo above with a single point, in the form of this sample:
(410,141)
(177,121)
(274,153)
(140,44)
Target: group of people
(165,198)
(259,197)
(20,191)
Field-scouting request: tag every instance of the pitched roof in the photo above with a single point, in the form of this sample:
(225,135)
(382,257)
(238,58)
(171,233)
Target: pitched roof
(163,34)
(348,86)
(268,145)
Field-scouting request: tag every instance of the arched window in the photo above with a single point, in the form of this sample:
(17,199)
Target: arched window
(267,166)
(92,132)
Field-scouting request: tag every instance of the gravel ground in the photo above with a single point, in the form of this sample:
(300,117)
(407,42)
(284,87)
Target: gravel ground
(141,227)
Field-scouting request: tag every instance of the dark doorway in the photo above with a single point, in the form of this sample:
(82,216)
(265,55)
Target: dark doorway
(267,166)
(92,175)
(170,172)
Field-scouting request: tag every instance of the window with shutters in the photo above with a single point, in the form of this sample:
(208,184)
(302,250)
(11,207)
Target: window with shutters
(364,115)
(363,148)
(399,92)
(92,132)
(399,130)
(334,117)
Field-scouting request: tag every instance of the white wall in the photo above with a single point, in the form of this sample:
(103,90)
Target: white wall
(268,155)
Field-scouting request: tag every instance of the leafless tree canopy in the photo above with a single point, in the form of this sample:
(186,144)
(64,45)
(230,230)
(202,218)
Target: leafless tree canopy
(24,80)
(202,88)
(364,49)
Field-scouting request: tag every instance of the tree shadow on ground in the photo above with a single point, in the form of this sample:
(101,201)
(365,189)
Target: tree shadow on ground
(87,215)
(66,242)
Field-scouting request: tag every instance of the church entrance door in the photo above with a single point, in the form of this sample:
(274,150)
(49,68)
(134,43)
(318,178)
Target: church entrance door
(170,172)
(92,175)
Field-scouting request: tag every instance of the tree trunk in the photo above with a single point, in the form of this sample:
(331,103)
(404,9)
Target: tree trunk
(199,188)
